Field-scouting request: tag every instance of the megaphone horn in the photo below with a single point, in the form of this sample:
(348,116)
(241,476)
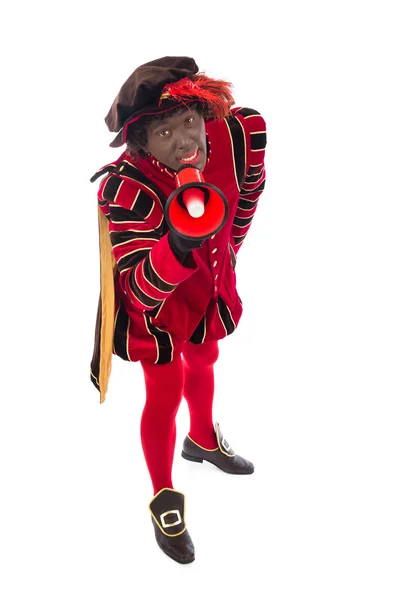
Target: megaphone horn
(195,209)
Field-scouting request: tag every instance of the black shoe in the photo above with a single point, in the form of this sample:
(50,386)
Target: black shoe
(168,516)
(222,457)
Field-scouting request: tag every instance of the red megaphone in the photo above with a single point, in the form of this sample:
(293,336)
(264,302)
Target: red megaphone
(196,209)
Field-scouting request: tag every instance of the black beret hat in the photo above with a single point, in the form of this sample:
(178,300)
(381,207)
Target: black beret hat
(140,94)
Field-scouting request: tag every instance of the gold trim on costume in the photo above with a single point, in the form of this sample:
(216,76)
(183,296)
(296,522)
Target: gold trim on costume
(202,447)
(115,323)
(133,252)
(136,197)
(158,275)
(117,192)
(145,317)
(159,309)
(131,240)
(220,318)
(205,329)
(230,314)
(153,196)
(94,376)
(170,338)
(127,339)
(143,292)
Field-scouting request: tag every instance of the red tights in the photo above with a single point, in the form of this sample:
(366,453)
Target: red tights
(192,376)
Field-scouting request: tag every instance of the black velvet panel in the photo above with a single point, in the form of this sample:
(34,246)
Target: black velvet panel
(121,333)
(119,214)
(95,362)
(163,342)
(247,112)
(155,280)
(140,295)
(198,334)
(242,222)
(258,141)
(226,317)
(239,148)
(247,204)
(132,172)
(118,237)
(132,259)
(111,188)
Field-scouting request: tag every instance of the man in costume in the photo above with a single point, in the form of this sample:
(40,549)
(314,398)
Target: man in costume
(167,299)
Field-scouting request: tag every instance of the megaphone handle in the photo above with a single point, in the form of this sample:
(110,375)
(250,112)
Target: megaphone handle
(182,248)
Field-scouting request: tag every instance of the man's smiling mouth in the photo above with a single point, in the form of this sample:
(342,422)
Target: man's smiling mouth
(191,158)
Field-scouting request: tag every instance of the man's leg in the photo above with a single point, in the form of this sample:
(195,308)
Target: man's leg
(164,385)
(198,390)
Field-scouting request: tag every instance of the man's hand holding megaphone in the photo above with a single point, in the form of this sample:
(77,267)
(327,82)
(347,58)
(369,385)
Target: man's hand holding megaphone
(195,211)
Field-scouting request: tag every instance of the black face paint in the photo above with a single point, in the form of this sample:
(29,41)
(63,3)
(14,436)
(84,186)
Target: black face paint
(178,139)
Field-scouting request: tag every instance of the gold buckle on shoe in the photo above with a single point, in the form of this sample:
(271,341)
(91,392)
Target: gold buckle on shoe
(170,512)
(225,444)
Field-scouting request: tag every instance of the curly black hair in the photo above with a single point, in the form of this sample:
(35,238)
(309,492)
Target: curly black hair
(136,136)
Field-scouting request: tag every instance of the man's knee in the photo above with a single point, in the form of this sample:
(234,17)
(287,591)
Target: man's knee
(200,355)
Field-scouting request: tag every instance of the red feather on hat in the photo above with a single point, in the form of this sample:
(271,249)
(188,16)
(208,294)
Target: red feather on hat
(216,93)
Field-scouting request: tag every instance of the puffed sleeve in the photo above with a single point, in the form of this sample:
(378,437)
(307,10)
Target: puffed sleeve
(254,182)
(148,269)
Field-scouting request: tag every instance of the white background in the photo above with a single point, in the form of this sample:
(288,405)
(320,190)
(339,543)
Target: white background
(307,387)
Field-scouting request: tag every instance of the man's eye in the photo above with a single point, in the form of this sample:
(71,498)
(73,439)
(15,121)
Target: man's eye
(190,120)
(163,132)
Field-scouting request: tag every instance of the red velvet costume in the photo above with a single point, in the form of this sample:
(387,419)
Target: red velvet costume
(160,303)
